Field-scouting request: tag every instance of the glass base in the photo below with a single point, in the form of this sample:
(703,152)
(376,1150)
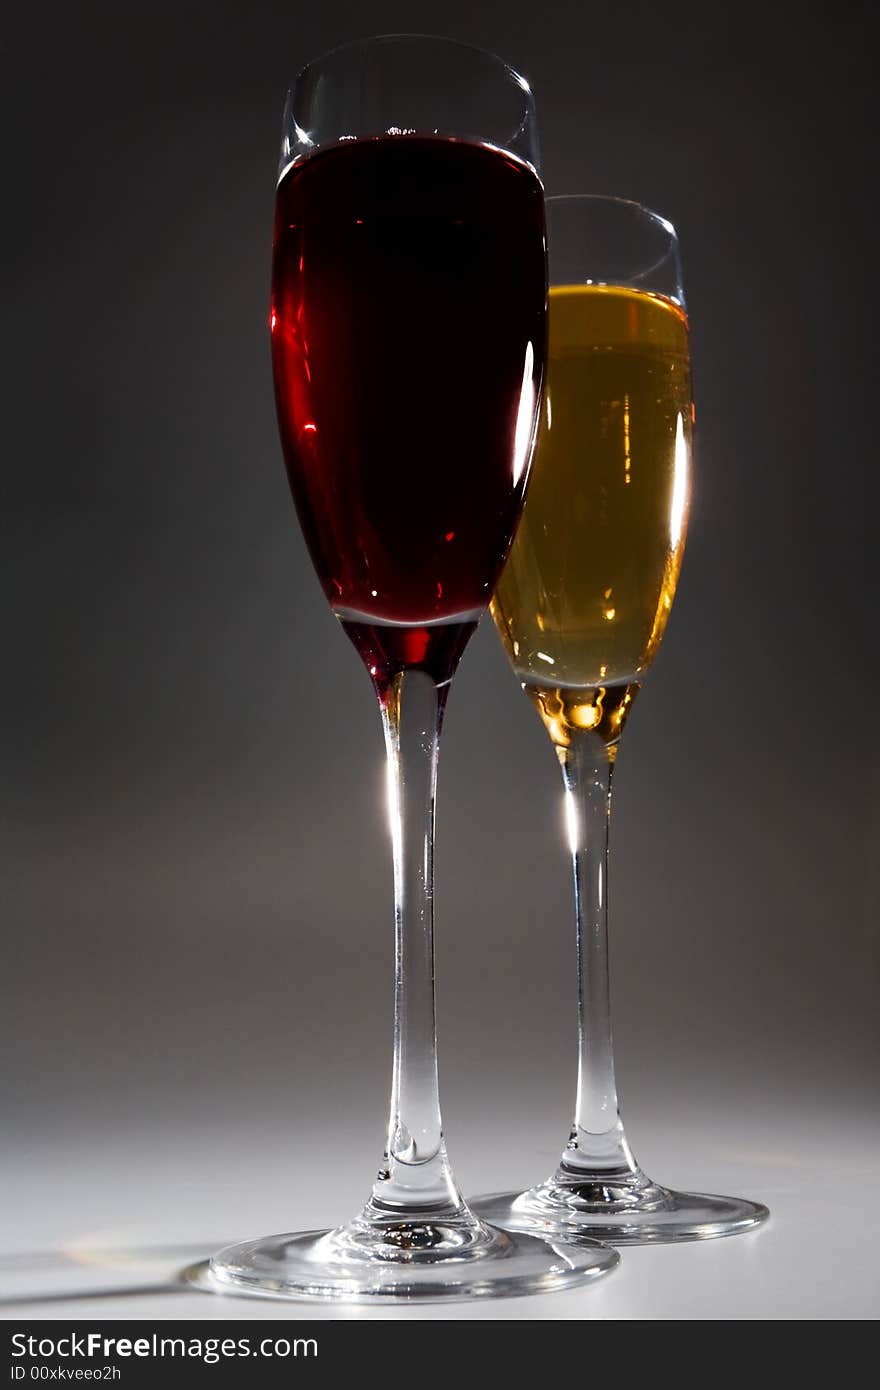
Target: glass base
(367,1262)
(624,1209)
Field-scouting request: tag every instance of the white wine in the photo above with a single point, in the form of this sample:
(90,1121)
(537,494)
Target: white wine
(584,598)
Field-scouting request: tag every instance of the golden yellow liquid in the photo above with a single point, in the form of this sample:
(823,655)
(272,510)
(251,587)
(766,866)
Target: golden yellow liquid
(584,598)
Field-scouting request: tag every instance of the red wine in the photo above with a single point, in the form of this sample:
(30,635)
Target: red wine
(408,344)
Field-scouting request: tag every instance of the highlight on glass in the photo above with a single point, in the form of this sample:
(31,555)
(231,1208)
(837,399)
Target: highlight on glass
(408,344)
(581,609)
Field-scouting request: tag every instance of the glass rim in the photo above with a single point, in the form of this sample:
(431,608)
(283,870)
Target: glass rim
(671,250)
(513,80)
(606,198)
(407,37)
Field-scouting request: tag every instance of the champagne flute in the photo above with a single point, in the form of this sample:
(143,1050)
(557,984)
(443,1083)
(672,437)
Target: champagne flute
(408,342)
(581,609)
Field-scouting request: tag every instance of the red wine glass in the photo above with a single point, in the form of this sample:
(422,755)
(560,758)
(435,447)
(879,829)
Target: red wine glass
(408,340)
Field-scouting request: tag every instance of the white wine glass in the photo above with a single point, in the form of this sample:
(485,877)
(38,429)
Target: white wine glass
(581,609)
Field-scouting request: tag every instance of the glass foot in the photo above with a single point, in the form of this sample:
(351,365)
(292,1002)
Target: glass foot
(366,1262)
(625,1209)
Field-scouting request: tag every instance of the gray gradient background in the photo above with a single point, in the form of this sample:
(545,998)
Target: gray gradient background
(196,877)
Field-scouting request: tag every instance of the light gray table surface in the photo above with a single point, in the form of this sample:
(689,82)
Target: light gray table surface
(100,1226)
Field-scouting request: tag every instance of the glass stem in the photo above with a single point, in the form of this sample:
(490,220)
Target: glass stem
(597,1146)
(415,1178)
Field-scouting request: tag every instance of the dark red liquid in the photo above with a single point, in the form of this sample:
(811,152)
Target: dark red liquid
(408,338)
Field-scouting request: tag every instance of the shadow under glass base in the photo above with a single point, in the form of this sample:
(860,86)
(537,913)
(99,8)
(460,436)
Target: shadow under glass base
(622,1209)
(367,1262)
